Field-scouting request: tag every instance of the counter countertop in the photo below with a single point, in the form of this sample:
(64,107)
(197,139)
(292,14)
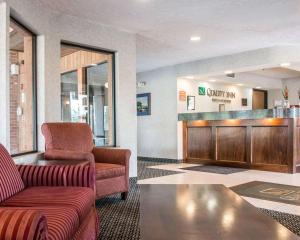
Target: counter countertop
(245,114)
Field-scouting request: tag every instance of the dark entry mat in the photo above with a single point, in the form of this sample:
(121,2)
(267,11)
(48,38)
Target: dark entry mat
(269,191)
(215,169)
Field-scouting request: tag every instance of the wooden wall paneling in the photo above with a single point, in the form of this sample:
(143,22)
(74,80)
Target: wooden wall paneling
(249,145)
(292,146)
(269,145)
(199,141)
(214,143)
(297,134)
(231,144)
(184,141)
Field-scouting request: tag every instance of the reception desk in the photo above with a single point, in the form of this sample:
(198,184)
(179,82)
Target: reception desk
(256,139)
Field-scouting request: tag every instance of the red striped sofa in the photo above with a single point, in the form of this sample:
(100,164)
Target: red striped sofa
(65,141)
(46,202)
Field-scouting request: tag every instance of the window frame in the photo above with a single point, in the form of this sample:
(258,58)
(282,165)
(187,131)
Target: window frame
(34,87)
(113,53)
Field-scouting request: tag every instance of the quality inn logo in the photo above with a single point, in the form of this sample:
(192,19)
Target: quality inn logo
(201,90)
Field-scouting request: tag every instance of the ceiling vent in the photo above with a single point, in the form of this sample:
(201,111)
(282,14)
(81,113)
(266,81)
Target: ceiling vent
(231,75)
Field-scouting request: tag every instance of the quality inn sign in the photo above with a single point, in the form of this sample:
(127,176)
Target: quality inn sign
(216,93)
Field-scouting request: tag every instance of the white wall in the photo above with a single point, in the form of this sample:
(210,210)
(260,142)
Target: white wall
(51,29)
(160,135)
(157,133)
(4,74)
(274,94)
(204,103)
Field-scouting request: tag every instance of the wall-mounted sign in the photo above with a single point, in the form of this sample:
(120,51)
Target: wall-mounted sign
(201,90)
(182,96)
(217,95)
(190,102)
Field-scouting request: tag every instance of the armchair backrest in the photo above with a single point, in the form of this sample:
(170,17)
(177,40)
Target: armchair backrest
(68,136)
(10,178)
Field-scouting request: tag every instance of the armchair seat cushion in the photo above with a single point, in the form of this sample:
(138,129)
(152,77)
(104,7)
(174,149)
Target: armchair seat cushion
(108,170)
(79,199)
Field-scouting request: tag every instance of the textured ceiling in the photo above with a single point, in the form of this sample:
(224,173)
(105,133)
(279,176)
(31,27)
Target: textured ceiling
(163,27)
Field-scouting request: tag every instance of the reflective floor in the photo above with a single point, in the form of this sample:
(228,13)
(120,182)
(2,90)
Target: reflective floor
(229,180)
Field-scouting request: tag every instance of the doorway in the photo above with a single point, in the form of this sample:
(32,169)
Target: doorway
(259,99)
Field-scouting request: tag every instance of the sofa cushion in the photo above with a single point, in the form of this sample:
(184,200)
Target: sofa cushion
(78,198)
(108,170)
(10,178)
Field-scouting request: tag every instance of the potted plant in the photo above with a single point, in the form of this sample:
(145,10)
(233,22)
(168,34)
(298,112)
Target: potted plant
(285,94)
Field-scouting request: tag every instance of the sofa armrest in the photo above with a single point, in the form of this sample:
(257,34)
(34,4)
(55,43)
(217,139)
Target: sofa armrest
(53,154)
(112,155)
(22,224)
(58,175)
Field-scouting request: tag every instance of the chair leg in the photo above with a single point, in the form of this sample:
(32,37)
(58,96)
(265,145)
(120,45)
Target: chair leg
(124,195)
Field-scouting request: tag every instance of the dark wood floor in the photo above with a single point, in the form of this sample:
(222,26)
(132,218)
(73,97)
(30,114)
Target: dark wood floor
(190,212)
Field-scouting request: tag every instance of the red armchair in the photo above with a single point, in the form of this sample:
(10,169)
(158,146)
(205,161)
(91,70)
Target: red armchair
(75,141)
(46,202)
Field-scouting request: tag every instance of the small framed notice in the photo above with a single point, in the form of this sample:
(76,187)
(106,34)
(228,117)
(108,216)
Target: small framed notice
(182,96)
(190,102)
(244,102)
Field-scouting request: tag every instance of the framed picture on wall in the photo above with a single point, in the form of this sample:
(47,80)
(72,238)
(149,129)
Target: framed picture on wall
(221,107)
(190,102)
(143,102)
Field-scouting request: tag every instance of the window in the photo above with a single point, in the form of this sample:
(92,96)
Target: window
(22,102)
(87,90)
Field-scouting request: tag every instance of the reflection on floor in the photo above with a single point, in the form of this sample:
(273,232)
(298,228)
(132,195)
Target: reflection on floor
(120,219)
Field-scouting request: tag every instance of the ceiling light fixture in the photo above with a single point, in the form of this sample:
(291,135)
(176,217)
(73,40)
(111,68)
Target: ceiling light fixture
(195,38)
(240,84)
(212,80)
(286,64)
(228,72)
(258,87)
(11,29)
(189,77)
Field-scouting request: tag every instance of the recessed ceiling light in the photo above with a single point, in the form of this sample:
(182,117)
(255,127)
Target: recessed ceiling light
(228,72)
(195,38)
(11,29)
(106,84)
(258,87)
(189,77)
(212,80)
(286,64)
(240,84)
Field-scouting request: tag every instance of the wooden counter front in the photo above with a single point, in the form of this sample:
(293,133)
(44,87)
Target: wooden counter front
(265,144)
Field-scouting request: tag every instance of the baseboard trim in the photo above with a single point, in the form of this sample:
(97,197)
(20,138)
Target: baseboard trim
(163,160)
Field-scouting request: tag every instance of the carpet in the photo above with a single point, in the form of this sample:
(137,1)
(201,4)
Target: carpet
(145,172)
(215,169)
(269,191)
(119,220)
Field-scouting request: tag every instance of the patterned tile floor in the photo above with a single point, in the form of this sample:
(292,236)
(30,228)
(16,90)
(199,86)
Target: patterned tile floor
(119,220)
